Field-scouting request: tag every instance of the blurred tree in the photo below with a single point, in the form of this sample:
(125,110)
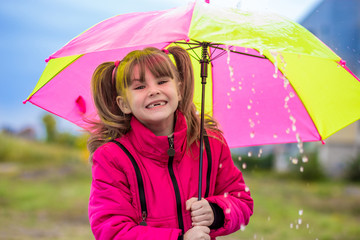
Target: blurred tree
(50,127)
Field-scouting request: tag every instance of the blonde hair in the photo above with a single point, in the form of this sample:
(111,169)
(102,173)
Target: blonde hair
(113,122)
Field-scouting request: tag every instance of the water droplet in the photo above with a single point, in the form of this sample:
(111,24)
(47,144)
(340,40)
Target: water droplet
(253,90)
(249,107)
(227,211)
(242,228)
(220,165)
(301,169)
(249,154)
(228,106)
(252,134)
(247,189)
(291,94)
(250,101)
(226,194)
(275,75)
(233,89)
(287,99)
(294,160)
(293,127)
(286,83)
(287,131)
(305,159)
(244,165)
(301,212)
(239,158)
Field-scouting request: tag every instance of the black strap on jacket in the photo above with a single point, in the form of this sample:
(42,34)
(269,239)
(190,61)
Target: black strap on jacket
(141,183)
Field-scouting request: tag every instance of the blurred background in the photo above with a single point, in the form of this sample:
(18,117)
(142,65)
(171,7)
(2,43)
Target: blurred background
(45,174)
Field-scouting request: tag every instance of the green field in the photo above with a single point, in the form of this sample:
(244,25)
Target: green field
(44,191)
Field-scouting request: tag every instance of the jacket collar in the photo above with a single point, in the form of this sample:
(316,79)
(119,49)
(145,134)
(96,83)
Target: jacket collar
(155,147)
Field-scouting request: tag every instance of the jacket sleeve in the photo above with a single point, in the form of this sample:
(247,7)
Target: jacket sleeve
(111,212)
(231,194)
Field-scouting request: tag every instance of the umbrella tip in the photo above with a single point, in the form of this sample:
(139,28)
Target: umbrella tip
(25,101)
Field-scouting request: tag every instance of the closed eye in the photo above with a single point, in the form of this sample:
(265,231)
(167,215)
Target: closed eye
(139,87)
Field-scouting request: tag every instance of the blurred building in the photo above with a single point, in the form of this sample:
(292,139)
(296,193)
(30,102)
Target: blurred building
(337,24)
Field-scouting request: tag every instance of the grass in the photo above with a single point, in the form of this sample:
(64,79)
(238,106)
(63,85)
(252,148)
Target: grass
(44,192)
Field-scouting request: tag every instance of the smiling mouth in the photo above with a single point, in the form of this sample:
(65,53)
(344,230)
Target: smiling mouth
(157,104)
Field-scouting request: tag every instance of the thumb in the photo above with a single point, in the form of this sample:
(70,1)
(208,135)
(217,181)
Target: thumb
(189,202)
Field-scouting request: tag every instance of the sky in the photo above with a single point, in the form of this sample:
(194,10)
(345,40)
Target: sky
(32,30)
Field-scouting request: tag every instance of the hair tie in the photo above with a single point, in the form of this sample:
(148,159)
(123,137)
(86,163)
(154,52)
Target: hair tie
(165,51)
(116,63)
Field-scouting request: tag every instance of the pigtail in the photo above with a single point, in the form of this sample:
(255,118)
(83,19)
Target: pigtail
(113,123)
(186,105)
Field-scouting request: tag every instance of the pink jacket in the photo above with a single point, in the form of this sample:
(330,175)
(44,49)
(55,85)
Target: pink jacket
(114,206)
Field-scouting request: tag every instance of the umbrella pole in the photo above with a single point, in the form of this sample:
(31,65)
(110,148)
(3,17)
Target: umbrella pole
(204,71)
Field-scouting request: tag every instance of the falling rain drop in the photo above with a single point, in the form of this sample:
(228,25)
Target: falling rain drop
(299,221)
(291,94)
(305,159)
(275,75)
(247,189)
(228,94)
(242,228)
(249,154)
(260,152)
(233,89)
(301,169)
(239,194)
(268,218)
(291,225)
(227,211)
(253,90)
(228,106)
(239,158)
(220,165)
(244,165)
(294,160)
(226,194)
(301,212)
(257,114)
(249,107)
(252,134)
(275,136)
(287,131)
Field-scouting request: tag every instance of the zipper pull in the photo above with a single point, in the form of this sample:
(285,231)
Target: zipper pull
(171,150)
(144,215)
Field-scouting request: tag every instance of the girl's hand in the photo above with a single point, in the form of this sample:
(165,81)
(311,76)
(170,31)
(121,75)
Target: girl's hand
(197,233)
(201,212)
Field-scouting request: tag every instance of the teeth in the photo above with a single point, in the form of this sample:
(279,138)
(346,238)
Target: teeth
(156,104)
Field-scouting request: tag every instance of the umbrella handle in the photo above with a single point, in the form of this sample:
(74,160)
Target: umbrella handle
(204,70)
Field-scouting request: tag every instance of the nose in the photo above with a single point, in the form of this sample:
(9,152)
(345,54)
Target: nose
(153,91)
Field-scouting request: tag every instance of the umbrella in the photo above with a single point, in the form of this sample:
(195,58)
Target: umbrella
(268,80)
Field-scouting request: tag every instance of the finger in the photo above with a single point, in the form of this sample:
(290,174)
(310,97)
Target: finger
(190,202)
(201,224)
(203,218)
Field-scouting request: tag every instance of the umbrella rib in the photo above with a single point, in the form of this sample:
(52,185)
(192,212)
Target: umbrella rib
(247,54)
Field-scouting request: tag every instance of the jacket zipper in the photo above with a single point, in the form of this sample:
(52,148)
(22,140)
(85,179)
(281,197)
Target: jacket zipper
(171,153)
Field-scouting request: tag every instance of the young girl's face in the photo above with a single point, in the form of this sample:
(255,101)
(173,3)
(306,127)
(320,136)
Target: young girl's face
(152,101)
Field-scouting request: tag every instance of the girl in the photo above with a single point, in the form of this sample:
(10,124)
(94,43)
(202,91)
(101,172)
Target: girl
(145,152)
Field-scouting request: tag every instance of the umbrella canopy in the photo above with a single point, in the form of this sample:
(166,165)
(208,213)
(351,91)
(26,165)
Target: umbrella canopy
(270,80)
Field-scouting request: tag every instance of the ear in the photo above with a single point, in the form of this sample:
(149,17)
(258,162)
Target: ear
(123,105)
(178,90)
